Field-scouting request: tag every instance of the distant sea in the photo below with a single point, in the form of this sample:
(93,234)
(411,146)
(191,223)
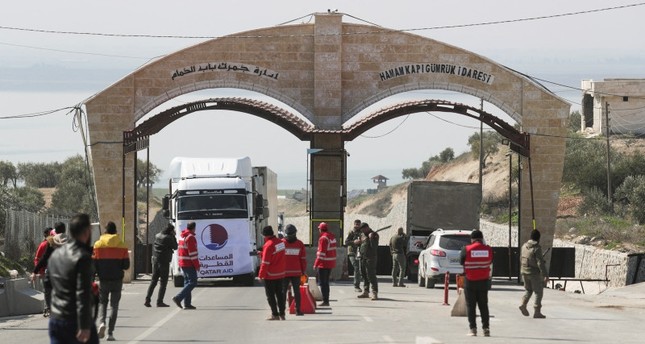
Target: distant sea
(356,179)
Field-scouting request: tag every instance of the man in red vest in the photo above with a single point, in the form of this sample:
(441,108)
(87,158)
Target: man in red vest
(325,260)
(476,259)
(272,272)
(189,264)
(296,263)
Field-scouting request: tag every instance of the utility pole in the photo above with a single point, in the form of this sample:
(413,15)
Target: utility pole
(481,147)
(609,196)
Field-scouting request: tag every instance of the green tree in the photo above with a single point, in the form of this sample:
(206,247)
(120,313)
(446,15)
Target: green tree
(155,173)
(573,124)
(490,141)
(8,173)
(74,192)
(40,175)
(29,198)
(447,155)
(631,194)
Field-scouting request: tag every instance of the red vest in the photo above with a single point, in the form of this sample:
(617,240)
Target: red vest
(326,256)
(187,250)
(273,262)
(479,257)
(296,258)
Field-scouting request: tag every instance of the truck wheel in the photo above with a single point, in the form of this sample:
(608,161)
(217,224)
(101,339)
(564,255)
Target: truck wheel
(421,281)
(178,281)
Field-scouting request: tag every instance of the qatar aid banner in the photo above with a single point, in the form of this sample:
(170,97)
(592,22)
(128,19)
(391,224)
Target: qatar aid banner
(224,247)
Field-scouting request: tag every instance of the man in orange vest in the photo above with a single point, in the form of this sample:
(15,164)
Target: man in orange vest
(325,260)
(476,259)
(272,272)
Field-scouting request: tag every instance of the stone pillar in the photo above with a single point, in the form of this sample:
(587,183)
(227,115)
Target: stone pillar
(108,116)
(327,71)
(328,184)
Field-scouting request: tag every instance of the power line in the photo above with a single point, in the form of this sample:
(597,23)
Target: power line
(389,132)
(72,52)
(38,114)
(440,27)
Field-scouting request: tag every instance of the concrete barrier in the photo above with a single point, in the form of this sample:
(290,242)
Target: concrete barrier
(4,303)
(20,298)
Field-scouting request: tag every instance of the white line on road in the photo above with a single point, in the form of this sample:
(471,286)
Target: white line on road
(159,323)
(368,319)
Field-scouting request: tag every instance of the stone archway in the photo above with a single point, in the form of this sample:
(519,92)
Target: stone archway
(328,71)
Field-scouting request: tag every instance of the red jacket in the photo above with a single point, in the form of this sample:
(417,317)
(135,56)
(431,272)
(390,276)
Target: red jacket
(326,255)
(273,262)
(479,257)
(40,252)
(187,250)
(295,257)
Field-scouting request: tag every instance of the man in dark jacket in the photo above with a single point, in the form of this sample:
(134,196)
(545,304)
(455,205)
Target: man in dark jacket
(70,271)
(111,259)
(534,274)
(368,248)
(165,243)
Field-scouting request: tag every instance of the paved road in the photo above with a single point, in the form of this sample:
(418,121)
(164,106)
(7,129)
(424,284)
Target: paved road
(228,314)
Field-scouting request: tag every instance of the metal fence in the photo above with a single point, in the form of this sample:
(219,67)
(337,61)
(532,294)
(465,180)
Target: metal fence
(24,231)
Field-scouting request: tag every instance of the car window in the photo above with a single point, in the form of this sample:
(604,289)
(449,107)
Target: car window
(454,242)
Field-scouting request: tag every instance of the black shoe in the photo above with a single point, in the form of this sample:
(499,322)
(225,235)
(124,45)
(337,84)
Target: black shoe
(189,307)
(324,304)
(282,317)
(176,301)
(299,314)
(161,304)
(147,304)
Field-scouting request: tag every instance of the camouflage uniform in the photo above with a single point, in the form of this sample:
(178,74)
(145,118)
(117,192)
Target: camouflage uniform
(353,259)
(368,250)
(398,248)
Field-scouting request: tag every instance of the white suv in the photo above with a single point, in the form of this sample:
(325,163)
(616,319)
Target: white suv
(442,254)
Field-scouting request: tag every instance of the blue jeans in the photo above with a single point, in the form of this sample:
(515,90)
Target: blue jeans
(190,282)
(63,331)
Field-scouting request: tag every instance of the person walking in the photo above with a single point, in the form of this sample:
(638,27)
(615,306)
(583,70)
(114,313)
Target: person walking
(325,260)
(56,239)
(352,254)
(272,271)
(399,250)
(295,264)
(368,248)
(163,246)
(40,251)
(534,275)
(476,259)
(111,259)
(70,272)
(189,264)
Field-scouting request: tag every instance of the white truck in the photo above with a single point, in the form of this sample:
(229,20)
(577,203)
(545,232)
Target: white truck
(230,201)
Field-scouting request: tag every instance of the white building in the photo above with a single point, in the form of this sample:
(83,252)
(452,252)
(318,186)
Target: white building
(625,99)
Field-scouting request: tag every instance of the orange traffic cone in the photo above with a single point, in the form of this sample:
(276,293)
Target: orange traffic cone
(307,302)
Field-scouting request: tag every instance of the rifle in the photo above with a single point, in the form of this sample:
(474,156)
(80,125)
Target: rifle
(382,229)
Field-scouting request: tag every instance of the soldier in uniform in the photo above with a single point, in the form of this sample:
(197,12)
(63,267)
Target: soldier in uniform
(352,250)
(534,274)
(368,248)
(398,249)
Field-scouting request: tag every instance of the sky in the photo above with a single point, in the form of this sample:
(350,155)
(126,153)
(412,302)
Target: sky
(41,71)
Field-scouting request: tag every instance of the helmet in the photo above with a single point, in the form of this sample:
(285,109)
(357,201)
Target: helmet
(290,230)
(323,226)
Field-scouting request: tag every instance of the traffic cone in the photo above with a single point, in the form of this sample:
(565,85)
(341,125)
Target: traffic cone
(307,302)
(314,289)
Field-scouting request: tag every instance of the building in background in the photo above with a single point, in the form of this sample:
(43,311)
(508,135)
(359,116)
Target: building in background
(623,98)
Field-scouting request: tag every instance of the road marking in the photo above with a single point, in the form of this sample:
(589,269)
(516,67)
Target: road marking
(368,319)
(159,323)
(427,340)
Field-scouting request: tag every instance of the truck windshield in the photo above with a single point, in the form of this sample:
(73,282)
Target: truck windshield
(454,242)
(212,206)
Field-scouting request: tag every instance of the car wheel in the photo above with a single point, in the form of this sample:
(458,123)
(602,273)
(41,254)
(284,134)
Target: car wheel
(430,283)
(421,281)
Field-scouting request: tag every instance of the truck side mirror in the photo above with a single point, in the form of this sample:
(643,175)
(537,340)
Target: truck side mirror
(258,209)
(165,202)
(265,212)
